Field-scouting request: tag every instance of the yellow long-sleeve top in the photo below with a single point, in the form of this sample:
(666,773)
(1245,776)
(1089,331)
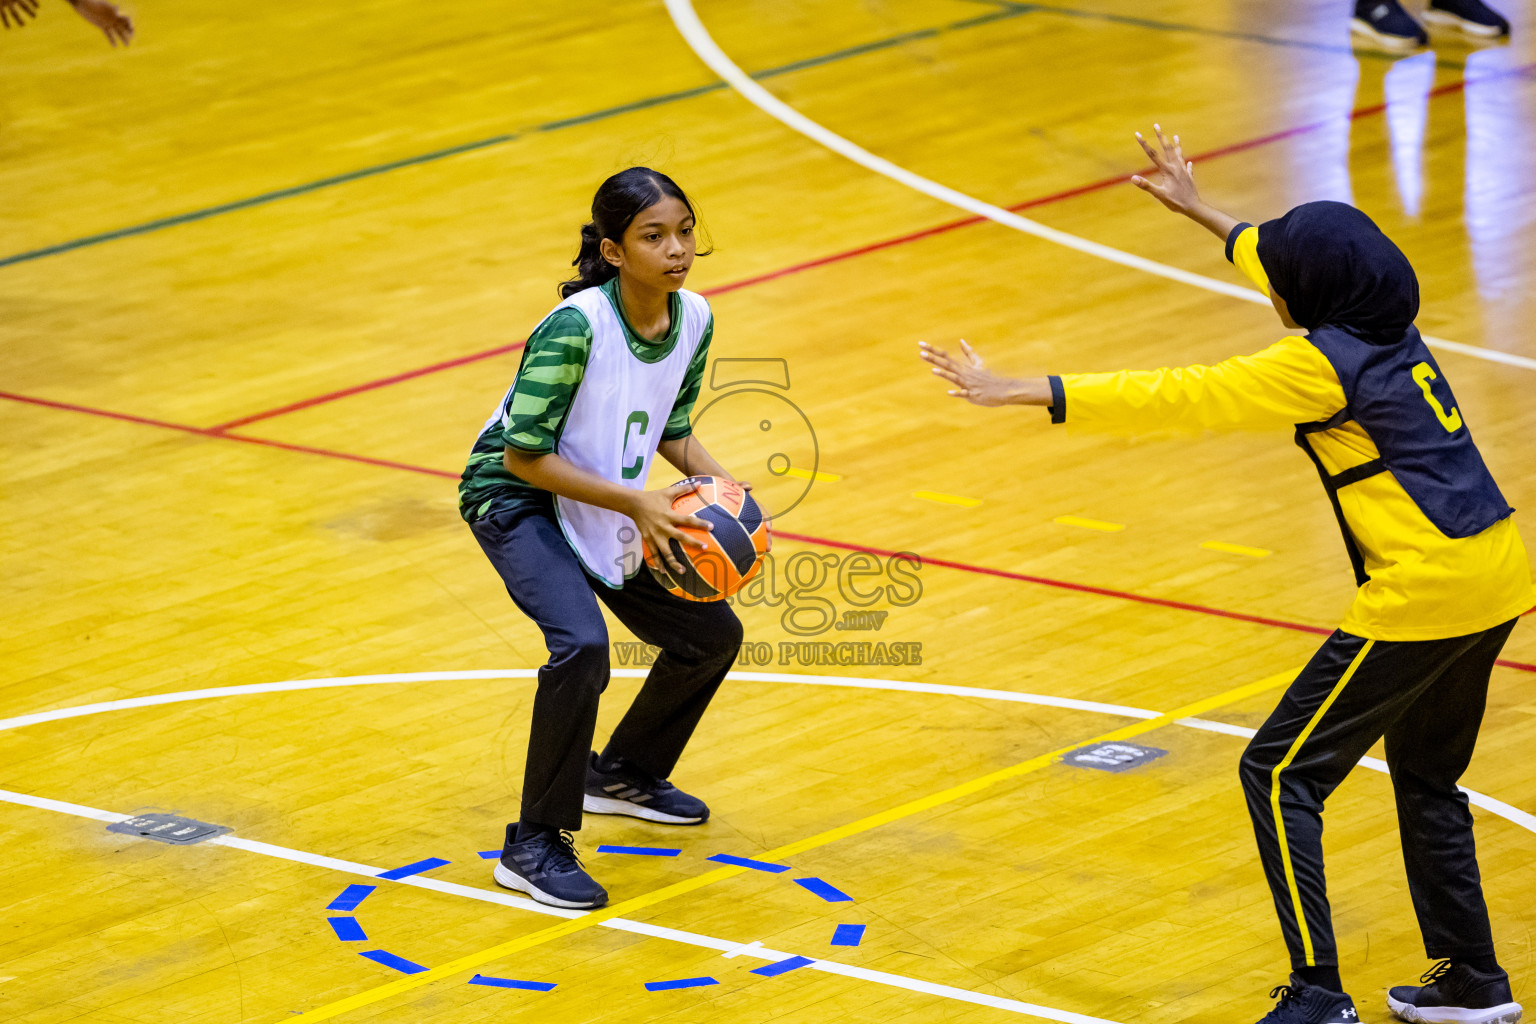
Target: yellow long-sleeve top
(1423,584)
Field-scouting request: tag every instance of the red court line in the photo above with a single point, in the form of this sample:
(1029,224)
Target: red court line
(224,436)
(937,229)
(1103,183)
(797,268)
(1082,588)
(331,454)
(88,410)
(889,243)
(357,389)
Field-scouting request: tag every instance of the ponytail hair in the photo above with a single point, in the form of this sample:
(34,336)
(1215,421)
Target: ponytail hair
(617,202)
(591,269)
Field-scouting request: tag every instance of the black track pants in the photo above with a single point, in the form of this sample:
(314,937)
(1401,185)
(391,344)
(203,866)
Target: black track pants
(1426,697)
(699,642)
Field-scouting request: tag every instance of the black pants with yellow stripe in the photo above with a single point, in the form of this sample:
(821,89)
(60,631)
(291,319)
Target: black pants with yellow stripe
(1426,697)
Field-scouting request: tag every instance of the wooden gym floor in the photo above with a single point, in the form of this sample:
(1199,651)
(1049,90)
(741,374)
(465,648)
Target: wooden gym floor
(261,281)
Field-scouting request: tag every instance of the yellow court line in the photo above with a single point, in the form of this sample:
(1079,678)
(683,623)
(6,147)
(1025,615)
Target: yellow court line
(947,499)
(815,475)
(1274,799)
(1089,524)
(1236,549)
(906,810)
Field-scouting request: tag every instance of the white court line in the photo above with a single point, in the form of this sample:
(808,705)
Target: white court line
(727,948)
(155,699)
(730,949)
(697,36)
(1498,807)
(952,691)
(292,684)
(751,947)
(63,807)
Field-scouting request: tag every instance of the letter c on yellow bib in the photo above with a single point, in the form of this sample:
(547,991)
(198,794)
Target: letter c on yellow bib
(1423,373)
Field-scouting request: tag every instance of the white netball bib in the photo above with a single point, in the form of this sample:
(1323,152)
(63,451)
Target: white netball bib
(614,425)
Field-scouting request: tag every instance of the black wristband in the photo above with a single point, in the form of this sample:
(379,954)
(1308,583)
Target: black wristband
(1058,406)
(1232,237)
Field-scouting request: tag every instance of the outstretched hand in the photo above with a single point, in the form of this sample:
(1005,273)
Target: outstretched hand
(116,25)
(1173,181)
(971,379)
(16,12)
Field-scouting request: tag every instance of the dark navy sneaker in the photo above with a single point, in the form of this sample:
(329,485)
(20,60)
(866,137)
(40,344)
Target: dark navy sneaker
(1456,992)
(1301,1003)
(545,867)
(1472,17)
(1387,25)
(619,787)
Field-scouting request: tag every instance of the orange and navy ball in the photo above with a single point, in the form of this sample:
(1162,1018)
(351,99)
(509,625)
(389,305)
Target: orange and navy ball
(734,548)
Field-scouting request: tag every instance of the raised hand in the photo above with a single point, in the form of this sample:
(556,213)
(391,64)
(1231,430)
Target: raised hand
(1173,181)
(114,23)
(16,12)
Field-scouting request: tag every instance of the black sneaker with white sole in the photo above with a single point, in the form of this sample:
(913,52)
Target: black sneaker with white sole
(545,867)
(619,787)
(1385,24)
(1301,1003)
(1470,17)
(1457,993)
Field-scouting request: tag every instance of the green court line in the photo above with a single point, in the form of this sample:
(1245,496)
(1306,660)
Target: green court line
(257,200)
(496,140)
(888,43)
(1202,30)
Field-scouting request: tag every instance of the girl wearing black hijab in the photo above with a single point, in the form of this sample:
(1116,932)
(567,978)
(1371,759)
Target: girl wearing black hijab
(1441,571)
